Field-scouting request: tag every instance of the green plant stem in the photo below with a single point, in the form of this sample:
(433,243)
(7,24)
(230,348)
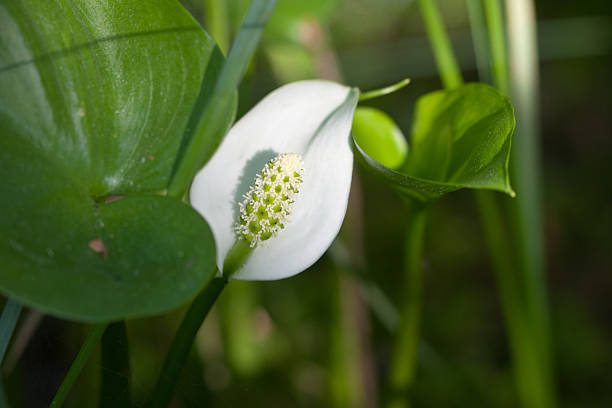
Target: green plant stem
(115,368)
(203,143)
(77,365)
(236,257)
(236,312)
(183,340)
(497,43)
(529,355)
(525,170)
(530,380)
(340,381)
(217,22)
(445,59)
(348,387)
(479,38)
(8,321)
(376,93)
(403,364)
(524,307)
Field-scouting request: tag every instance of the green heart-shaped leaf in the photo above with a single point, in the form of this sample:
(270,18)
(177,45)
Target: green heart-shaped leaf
(460,138)
(95,101)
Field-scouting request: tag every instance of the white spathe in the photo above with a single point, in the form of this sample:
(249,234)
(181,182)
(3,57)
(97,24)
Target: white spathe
(312,119)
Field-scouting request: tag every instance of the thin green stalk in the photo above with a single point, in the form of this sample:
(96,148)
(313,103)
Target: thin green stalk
(525,170)
(183,340)
(525,161)
(531,380)
(8,321)
(235,311)
(204,143)
(217,22)
(347,386)
(521,347)
(79,362)
(479,38)
(403,364)
(445,59)
(497,43)
(525,313)
(236,257)
(340,383)
(115,368)
(376,93)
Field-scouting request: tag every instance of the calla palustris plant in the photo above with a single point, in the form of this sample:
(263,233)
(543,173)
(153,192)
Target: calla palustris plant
(460,139)
(92,125)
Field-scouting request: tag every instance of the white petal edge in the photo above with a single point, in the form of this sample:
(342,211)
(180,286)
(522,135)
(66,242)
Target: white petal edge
(311,118)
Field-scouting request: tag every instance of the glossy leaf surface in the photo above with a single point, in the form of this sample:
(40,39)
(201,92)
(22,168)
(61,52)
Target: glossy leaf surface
(460,139)
(95,100)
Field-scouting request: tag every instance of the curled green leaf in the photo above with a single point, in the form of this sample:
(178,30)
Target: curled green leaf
(460,139)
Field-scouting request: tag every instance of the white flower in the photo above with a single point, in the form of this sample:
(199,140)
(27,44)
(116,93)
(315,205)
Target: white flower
(305,126)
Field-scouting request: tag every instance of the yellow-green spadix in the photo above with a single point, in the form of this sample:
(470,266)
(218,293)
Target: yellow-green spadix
(267,205)
(301,132)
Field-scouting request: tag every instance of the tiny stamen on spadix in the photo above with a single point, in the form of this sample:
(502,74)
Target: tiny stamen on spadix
(267,205)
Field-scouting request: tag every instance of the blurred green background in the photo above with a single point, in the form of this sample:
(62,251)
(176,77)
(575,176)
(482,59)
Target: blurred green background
(274,344)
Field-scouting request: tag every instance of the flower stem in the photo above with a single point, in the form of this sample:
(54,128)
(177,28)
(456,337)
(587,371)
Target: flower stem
(403,364)
(236,257)
(115,368)
(8,321)
(79,362)
(204,141)
(376,93)
(445,59)
(179,350)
